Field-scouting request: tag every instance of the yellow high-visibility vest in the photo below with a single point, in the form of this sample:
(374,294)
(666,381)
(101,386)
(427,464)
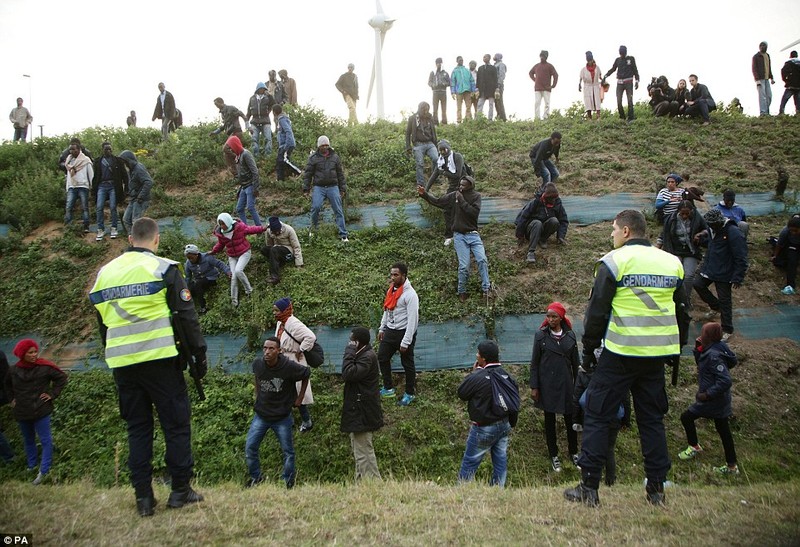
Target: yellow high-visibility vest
(642,322)
(130,295)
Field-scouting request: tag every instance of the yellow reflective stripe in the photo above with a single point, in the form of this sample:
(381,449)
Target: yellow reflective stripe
(644,321)
(140,327)
(141,346)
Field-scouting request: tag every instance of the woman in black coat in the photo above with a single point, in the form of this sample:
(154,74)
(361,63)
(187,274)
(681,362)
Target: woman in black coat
(361,409)
(554,366)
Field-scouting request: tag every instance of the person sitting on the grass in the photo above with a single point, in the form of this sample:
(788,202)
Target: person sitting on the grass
(282,247)
(700,102)
(542,217)
(731,210)
(201,271)
(669,197)
(785,253)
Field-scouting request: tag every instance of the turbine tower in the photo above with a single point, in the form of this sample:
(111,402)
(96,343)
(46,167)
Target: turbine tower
(381,24)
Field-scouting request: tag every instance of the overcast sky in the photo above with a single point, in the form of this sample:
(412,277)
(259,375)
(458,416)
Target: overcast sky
(91,62)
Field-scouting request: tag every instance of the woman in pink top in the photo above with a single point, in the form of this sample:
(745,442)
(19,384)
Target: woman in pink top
(232,236)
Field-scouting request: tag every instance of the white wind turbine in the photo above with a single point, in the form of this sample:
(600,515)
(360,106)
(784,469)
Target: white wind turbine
(381,24)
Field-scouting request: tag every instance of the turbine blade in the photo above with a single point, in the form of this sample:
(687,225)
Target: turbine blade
(378,6)
(792,44)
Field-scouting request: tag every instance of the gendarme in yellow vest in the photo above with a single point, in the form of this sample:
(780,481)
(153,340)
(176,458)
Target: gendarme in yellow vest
(643,322)
(130,295)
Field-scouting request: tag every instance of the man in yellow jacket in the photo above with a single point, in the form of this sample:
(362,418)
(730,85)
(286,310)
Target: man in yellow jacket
(635,321)
(142,301)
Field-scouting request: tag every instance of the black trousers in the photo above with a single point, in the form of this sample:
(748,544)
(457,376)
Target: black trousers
(550,434)
(387,348)
(141,387)
(723,302)
(198,288)
(723,428)
(278,255)
(614,377)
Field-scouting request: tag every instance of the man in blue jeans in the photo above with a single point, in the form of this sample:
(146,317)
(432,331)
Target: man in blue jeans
(79,180)
(466,206)
(275,378)
(491,425)
(421,133)
(324,172)
(110,182)
(258,111)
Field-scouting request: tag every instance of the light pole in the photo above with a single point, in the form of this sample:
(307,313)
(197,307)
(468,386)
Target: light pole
(30,96)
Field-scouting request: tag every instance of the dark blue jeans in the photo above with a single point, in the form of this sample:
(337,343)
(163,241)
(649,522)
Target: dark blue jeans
(106,191)
(482,439)
(31,429)
(283,431)
(614,377)
(83,195)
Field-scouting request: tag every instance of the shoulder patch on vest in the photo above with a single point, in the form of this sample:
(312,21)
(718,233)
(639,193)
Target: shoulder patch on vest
(720,368)
(186,295)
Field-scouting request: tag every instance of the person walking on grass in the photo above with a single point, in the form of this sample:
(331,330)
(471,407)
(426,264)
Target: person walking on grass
(109,183)
(713,398)
(232,236)
(491,425)
(361,405)
(296,338)
(276,393)
(32,385)
(398,332)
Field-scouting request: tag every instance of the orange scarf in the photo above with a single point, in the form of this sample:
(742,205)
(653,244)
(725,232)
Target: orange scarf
(392,296)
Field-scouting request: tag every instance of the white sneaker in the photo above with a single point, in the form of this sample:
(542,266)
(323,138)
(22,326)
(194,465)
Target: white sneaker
(448,241)
(100,235)
(114,233)
(726,336)
(788,289)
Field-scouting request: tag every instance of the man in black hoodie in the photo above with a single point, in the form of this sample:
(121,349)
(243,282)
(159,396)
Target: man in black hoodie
(466,206)
(542,217)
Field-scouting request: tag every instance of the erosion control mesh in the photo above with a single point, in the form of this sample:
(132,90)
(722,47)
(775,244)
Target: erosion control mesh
(439,345)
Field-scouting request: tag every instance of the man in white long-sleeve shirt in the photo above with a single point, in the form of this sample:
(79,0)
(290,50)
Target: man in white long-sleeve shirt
(79,181)
(398,332)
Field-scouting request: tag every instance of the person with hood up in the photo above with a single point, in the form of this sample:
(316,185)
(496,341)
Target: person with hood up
(554,367)
(681,237)
(451,165)
(421,134)
(465,204)
(247,177)
(542,217)
(713,399)
(324,172)
(139,185)
(258,111)
(361,405)
(232,236)
(32,385)
(724,265)
(790,74)
(201,271)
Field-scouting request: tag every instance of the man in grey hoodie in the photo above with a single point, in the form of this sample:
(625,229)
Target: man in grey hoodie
(139,187)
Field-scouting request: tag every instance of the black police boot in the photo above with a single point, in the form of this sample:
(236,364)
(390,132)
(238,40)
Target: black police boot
(583,493)
(183,495)
(655,492)
(146,506)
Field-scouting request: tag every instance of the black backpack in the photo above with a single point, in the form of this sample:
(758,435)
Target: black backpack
(315,356)
(468,170)
(505,394)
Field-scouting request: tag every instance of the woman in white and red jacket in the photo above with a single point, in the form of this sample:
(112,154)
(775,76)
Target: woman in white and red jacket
(232,236)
